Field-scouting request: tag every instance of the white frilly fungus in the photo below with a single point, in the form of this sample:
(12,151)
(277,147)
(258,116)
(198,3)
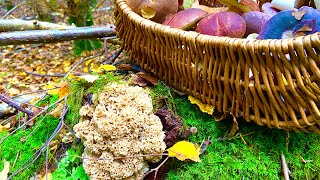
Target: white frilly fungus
(122,124)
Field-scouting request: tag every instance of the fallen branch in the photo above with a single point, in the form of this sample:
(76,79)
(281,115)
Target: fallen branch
(16,106)
(22,25)
(51,36)
(7,109)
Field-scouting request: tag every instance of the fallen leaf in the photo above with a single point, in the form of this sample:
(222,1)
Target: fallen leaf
(206,108)
(54,89)
(104,67)
(57,111)
(2,128)
(125,67)
(5,171)
(138,81)
(13,91)
(47,176)
(89,78)
(183,150)
(64,90)
(147,77)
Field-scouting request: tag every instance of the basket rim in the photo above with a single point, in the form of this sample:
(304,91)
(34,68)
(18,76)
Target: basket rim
(203,38)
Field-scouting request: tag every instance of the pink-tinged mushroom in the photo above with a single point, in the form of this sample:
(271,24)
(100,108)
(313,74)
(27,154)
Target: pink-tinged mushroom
(255,20)
(223,24)
(185,19)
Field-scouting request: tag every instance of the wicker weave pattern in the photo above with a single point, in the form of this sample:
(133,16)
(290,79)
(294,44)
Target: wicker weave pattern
(216,70)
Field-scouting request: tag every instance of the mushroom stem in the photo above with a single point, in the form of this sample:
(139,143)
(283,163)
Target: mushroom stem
(283,5)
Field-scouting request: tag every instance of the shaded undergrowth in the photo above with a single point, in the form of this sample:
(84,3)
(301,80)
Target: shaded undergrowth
(253,153)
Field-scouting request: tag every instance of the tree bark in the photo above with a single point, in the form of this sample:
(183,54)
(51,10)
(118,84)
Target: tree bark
(22,25)
(51,36)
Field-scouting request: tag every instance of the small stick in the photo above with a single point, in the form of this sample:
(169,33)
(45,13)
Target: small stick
(15,105)
(51,75)
(156,169)
(285,169)
(115,55)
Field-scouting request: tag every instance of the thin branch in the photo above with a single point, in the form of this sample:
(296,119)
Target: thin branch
(15,105)
(11,10)
(52,75)
(31,119)
(38,153)
(285,169)
(155,170)
(23,25)
(51,36)
(115,55)
(116,158)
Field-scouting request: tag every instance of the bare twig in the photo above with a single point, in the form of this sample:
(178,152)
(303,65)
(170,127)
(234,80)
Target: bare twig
(155,170)
(15,105)
(38,153)
(52,75)
(23,25)
(11,10)
(285,169)
(116,158)
(31,119)
(51,36)
(115,55)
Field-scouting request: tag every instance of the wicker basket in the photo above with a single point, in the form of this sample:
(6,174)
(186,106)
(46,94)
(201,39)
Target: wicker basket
(283,92)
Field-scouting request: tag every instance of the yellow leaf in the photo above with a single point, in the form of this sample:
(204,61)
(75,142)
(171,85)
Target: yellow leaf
(5,170)
(47,176)
(89,62)
(104,67)
(64,90)
(70,76)
(51,86)
(183,150)
(206,108)
(89,78)
(2,128)
(85,69)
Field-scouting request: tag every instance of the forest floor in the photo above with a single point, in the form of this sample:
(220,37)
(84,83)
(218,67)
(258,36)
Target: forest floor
(254,152)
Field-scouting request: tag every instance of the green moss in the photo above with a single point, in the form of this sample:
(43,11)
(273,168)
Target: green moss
(70,167)
(82,88)
(13,149)
(254,156)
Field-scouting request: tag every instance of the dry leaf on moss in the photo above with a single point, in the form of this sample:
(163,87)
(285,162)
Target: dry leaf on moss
(2,128)
(47,176)
(64,90)
(183,150)
(206,108)
(104,67)
(5,170)
(89,78)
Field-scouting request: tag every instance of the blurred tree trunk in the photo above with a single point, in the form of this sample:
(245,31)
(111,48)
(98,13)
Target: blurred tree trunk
(80,14)
(42,9)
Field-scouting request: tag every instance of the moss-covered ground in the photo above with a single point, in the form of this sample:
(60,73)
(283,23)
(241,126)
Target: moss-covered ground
(253,153)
